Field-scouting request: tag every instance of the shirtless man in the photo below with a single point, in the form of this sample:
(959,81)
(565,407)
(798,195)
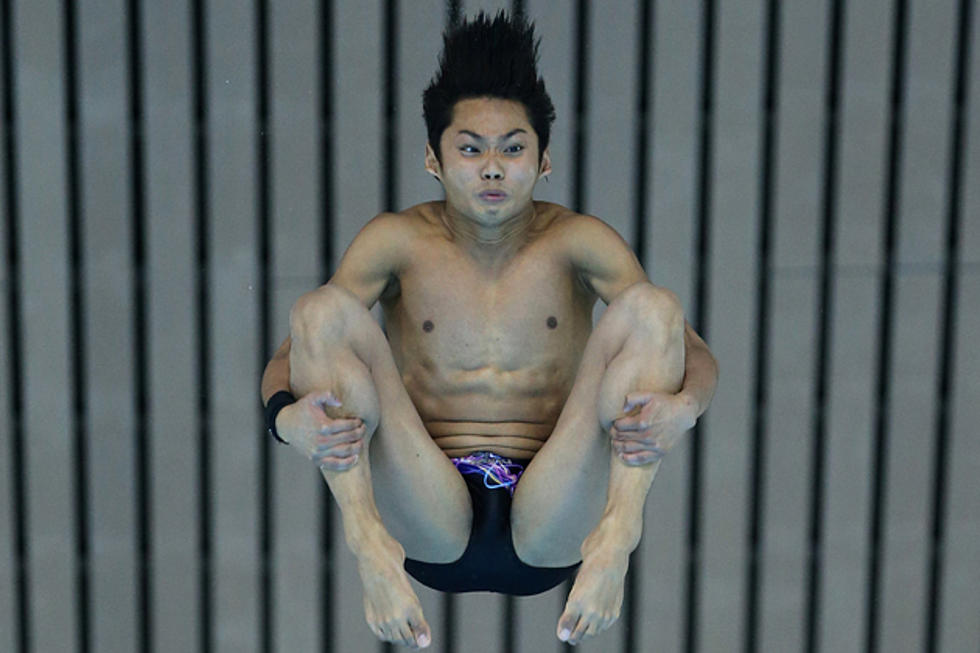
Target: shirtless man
(491,364)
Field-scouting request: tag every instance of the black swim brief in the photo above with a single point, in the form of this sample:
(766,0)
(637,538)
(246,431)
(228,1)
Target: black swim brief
(489,563)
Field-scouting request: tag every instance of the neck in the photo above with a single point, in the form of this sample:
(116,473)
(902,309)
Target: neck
(489,244)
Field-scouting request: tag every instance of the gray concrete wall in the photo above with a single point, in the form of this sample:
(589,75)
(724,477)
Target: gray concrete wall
(41,176)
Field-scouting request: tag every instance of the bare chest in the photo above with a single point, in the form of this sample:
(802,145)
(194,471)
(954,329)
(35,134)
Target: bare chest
(458,326)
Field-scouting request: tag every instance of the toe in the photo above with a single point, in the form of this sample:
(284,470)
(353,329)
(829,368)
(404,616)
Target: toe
(566,625)
(404,636)
(421,634)
(582,630)
(608,621)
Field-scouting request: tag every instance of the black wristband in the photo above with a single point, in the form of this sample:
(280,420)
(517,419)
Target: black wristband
(276,403)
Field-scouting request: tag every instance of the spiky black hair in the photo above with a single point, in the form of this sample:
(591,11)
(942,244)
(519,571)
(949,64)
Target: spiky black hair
(488,57)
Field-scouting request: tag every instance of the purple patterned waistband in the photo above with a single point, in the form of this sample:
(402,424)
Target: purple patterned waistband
(498,472)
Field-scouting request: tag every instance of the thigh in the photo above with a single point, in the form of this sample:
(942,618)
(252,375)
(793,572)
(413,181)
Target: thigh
(562,494)
(420,495)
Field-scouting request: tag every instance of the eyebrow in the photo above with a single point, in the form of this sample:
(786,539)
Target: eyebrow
(483,138)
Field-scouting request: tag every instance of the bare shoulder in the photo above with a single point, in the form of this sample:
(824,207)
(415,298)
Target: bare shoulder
(599,255)
(378,253)
(571,225)
(390,228)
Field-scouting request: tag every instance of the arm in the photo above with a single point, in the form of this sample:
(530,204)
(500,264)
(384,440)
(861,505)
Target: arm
(607,265)
(276,375)
(700,372)
(370,262)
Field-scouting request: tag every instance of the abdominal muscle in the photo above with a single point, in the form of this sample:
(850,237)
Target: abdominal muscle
(520,440)
(511,426)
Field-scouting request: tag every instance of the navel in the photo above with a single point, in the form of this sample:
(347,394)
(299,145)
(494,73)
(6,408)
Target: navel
(427,326)
(552,322)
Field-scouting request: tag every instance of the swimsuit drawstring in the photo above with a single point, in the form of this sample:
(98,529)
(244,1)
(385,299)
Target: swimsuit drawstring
(498,472)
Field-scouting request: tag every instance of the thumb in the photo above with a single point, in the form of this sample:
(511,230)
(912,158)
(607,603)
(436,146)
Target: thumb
(326,399)
(635,399)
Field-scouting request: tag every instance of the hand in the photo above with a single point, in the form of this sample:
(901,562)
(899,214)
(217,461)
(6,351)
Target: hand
(332,444)
(651,424)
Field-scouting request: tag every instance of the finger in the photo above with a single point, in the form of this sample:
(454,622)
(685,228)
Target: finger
(335,464)
(342,437)
(645,441)
(634,460)
(641,458)
(327,398)
(649,415)
(630,424)
(337,439)
(340,451)
(623,447)
(338,425)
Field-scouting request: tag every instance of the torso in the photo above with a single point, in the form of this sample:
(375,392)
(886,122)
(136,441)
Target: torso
(488,357)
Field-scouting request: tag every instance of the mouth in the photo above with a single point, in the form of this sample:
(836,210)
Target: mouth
(493,196)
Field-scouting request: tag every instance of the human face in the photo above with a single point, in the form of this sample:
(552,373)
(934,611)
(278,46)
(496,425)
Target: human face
(489,161)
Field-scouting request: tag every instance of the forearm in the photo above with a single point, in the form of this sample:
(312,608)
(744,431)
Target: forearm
(276,375)
(700,372)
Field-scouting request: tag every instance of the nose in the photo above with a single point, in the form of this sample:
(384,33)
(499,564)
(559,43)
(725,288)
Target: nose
(492,169)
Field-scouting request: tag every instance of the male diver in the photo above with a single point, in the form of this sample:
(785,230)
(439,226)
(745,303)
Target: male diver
(494,440)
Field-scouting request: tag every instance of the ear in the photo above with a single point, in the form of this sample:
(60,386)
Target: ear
(545,168)
(432,163)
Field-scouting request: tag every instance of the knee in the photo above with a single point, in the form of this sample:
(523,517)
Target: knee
(655,310)
(327,314)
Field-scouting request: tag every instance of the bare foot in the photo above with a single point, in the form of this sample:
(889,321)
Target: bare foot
(392,609)
(597,595)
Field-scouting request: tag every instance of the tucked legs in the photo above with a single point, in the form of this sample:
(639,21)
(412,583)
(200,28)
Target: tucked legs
(403,495)
(577,499)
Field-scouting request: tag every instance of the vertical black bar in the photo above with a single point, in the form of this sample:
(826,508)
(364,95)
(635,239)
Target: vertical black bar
(263,211)
(18,454)
(202,211)
(825,303)
(641,195)
(579,142)
(879,471)
(947,339)
(518,9)
(327,219)
(767,189)
(699,319)
(509,625)
(141,449)
(581,106)
(389,128)
(78,336)
(449,622)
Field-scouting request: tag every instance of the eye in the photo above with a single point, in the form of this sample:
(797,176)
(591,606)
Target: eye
(516,148)
(469,149)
